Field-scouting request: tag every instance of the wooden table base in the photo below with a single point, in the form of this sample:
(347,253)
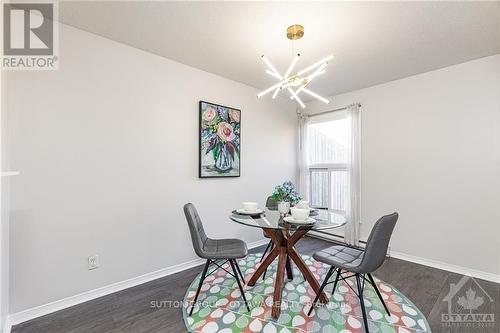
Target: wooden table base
(284,250)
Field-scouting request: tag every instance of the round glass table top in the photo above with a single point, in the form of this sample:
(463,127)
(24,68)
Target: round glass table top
(272,219)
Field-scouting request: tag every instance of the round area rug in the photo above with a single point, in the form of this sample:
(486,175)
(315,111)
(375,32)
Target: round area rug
(220,308)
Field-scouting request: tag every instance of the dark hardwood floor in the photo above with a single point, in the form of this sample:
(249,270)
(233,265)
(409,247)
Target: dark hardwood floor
(130,310)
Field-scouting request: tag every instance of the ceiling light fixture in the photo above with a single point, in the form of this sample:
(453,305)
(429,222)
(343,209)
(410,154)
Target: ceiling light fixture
(298,80)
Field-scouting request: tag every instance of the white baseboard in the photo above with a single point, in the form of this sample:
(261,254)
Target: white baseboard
(426,262)
(6,329)
(325,236)
(7,326)
(447,267)
(42,310)
(334,238)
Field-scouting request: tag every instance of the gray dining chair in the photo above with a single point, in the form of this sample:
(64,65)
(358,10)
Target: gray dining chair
(357,262)
(214,251)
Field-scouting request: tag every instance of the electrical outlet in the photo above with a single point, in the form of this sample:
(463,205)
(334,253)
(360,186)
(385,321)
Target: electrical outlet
(93,262)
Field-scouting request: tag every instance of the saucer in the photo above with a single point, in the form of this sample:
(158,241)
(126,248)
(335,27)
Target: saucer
(249,212)
(290,219)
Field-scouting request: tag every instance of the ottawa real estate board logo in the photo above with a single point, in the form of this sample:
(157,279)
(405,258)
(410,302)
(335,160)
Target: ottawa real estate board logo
(468,307)
(30,36)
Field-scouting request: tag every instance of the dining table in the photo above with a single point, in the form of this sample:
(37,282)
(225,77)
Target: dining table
(284,236)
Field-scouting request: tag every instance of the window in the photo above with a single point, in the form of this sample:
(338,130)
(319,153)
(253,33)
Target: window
(328,155)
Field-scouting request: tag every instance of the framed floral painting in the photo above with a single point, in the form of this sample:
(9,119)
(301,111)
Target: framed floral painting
(220,141)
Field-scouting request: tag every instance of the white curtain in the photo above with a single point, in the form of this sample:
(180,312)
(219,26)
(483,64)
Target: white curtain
(351,235)
(303,158)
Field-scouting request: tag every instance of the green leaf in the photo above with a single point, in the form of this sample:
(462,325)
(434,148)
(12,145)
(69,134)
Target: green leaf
(216,151)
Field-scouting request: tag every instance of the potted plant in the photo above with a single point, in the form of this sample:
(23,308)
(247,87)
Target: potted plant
(285,195)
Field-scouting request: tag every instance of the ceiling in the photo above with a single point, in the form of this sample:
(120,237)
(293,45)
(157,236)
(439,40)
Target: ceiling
(373,42)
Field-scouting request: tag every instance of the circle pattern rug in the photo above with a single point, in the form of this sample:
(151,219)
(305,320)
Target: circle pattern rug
(220,308)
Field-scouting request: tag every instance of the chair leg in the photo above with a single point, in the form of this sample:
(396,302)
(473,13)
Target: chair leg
(378,293)
(239,270)
(289,269)
(336,281)
(239,284)
(272,246)
(362,302)
(207,264)
(265,251)
(325,281)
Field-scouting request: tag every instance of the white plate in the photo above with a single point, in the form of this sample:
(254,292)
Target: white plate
(290,219)
(249,212)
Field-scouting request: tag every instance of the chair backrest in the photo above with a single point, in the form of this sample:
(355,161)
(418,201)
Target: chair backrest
(271,203)
(377,244)
(198,236)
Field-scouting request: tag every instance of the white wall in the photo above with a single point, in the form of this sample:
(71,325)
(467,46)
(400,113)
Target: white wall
(4,216)
(107,147)
(431,151)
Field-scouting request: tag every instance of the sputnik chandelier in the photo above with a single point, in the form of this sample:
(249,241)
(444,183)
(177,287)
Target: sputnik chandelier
(296,82)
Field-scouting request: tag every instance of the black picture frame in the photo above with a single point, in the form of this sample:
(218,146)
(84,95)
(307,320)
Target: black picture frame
(234,146)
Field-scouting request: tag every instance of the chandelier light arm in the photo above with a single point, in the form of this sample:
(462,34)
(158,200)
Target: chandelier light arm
(313,94)
(271,67)
(297,91)
(296,98)
(318,73)
(273,74)
(302,105)
(292,65)
(322,72)
(277,85)
(313,66)
(276,92)
(321,69)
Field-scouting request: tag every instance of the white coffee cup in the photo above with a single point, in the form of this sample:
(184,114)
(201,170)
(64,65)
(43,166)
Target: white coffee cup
(250,206)
(303,204)
(300,214)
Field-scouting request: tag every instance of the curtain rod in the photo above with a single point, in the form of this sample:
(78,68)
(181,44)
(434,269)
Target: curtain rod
(334,110)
